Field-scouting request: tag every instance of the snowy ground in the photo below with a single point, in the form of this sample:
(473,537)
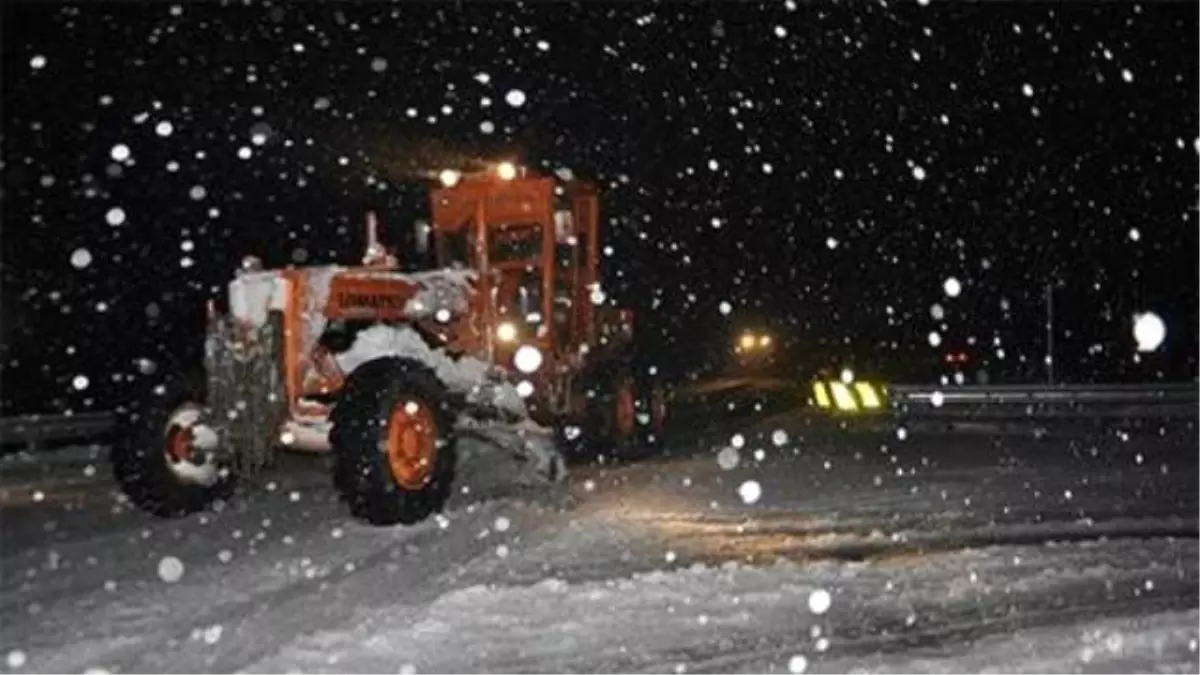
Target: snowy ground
(831,551)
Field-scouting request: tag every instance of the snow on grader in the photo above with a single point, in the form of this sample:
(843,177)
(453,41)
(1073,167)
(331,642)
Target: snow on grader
(487,368)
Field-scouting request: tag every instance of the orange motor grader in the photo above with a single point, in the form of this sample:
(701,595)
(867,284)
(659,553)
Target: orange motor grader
(505,349)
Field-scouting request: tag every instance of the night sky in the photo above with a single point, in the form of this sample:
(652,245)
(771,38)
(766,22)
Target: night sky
(822,167)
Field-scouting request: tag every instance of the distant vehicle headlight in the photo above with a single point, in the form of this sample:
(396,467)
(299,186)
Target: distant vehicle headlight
(506,331)
(764,341)
(747,341)
(527,359)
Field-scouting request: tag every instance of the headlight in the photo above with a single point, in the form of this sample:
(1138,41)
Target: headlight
(527,359)
(747,341)
(764,341)
(506,331)
(449,177)
(506,171)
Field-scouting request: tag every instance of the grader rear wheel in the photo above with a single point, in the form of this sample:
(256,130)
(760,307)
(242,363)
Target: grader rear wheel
(168,460)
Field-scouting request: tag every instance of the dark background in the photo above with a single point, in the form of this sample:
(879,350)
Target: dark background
(1019,190)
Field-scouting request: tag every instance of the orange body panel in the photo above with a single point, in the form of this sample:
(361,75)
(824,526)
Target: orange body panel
(364,297)
(522,200)
(293,333)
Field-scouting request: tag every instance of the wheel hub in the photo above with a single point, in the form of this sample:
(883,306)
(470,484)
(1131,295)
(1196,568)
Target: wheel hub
(411,444)
(192,447)
(180,444)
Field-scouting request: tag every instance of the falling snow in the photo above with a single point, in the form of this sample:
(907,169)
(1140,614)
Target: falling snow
(81,258)
(819,601)
(874,185)
(170,569)
(515,98)
(750,491)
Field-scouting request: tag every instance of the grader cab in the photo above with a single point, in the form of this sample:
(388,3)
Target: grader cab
(504,350)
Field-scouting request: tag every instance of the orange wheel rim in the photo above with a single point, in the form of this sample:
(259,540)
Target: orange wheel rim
(411,444)
(625,410)
(179,444)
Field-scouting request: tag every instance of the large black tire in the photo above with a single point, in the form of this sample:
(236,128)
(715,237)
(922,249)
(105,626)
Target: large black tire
(652,412)
(140,462)
(358,437)
(603,438)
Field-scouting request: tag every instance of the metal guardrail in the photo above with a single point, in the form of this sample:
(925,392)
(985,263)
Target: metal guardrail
(1010,402)
(908,402)
(34,432)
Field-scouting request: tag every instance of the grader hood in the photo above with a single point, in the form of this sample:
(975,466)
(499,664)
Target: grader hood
(347,293)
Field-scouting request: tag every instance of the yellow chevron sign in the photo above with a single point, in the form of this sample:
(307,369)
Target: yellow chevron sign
(849,397)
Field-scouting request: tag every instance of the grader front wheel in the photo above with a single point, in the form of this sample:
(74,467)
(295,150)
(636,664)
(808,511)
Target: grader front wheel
(411,444)
(393,444)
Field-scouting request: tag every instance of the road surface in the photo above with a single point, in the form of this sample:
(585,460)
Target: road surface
(762,543)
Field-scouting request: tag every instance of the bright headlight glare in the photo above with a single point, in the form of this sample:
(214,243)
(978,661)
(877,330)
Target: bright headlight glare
(449,177)
(506,331)
(527,359)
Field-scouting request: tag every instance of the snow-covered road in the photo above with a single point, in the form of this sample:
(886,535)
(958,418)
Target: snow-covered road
(807,547)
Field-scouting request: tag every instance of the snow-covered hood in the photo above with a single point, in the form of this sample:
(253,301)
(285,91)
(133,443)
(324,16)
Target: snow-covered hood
(253,295)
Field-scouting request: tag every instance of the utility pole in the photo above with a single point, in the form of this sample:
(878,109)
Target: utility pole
(1049,333)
